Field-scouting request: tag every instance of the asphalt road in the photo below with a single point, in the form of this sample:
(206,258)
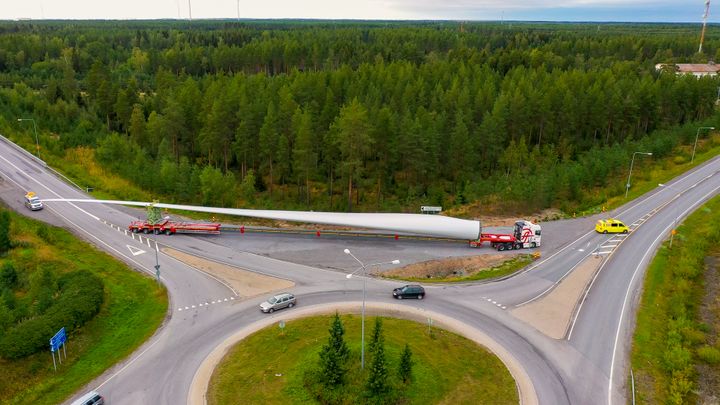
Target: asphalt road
(590,365)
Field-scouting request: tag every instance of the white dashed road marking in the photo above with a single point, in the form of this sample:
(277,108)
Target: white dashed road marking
(206,303)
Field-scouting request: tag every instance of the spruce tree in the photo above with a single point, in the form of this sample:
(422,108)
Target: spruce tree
(334,355)
(377,384)
(377,338)
(405,369)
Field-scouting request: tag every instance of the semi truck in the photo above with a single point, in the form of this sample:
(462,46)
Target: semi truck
(169,227)
(525,235)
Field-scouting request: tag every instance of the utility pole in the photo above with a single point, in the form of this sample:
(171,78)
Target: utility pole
(705,16)
(190,10)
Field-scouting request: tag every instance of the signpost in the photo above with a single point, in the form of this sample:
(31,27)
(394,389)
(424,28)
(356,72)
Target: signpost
(157,263)
(55,343)
(427,209)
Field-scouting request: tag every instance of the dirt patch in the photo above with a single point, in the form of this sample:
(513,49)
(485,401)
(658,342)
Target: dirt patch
(479,211)
(244,282)
(451,267)
(551,313)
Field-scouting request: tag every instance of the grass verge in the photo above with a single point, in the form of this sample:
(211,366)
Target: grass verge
(134,307)
(671,342)
(269,366)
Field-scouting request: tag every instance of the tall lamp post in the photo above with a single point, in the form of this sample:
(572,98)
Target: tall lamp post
(627,185)
(362,328)
(37,144)
(697,134)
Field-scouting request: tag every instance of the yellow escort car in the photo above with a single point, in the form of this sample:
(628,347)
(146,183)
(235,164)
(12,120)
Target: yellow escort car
(611,226)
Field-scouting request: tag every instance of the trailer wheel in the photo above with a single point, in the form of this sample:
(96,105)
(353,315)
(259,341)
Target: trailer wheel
(146,231)
(501,247)
(168,232)
(156,231)
(517,246)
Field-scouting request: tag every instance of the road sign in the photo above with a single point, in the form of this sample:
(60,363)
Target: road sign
(427,209)
(57,340)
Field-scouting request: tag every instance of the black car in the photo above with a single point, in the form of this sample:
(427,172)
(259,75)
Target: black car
(409,291)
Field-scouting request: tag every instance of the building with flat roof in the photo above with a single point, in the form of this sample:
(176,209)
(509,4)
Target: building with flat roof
(695,69)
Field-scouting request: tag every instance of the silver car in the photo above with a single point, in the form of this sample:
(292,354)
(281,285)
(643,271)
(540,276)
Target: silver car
(279,301)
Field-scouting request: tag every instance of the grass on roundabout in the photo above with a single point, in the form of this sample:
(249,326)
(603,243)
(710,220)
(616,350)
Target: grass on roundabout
(271,366)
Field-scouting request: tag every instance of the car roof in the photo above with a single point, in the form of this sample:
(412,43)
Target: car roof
(282,295)
(86,397)
(611,221)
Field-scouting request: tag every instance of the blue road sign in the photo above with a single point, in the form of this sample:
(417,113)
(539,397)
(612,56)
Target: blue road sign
(57,340)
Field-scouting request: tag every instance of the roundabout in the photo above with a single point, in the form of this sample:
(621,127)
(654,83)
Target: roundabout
(201,381)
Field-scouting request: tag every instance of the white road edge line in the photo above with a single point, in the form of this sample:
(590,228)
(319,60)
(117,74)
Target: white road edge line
(592,282)
(663,234)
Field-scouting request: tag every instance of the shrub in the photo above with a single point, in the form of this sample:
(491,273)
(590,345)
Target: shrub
(81,295)
(677,358)
(5,242)
(8,276)
(709,354)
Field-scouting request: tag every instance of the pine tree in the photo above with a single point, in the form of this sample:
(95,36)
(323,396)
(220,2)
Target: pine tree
(5,242)
(406,363)
(334,355)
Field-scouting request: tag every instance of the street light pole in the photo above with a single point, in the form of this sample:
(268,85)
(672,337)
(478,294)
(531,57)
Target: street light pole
(362,316)
(632,161)
(37,143)
(697,134)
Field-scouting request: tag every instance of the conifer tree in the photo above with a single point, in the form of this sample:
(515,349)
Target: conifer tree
(377,383)
(377,339)
(406,363)
(334,355)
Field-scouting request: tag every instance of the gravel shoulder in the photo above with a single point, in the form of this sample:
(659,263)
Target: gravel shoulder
(245,283)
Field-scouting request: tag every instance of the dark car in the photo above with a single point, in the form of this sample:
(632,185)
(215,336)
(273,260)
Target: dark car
(409,291)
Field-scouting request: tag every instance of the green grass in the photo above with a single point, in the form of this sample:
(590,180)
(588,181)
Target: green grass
(507,267)
(447,368)
(669,335)
(134,307)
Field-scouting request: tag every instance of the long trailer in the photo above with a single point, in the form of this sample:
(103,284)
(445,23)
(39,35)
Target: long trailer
(170,227)
(525,235)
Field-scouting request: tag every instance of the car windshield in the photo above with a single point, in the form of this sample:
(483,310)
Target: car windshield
(272,300)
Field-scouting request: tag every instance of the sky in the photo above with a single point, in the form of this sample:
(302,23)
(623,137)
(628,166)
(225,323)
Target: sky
(468,10)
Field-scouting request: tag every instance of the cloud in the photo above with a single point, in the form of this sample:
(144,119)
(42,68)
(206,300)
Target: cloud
(558,10)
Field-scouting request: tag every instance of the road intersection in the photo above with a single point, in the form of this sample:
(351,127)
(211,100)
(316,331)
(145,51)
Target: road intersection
(589,364)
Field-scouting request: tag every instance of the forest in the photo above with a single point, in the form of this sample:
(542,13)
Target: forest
(357,115)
